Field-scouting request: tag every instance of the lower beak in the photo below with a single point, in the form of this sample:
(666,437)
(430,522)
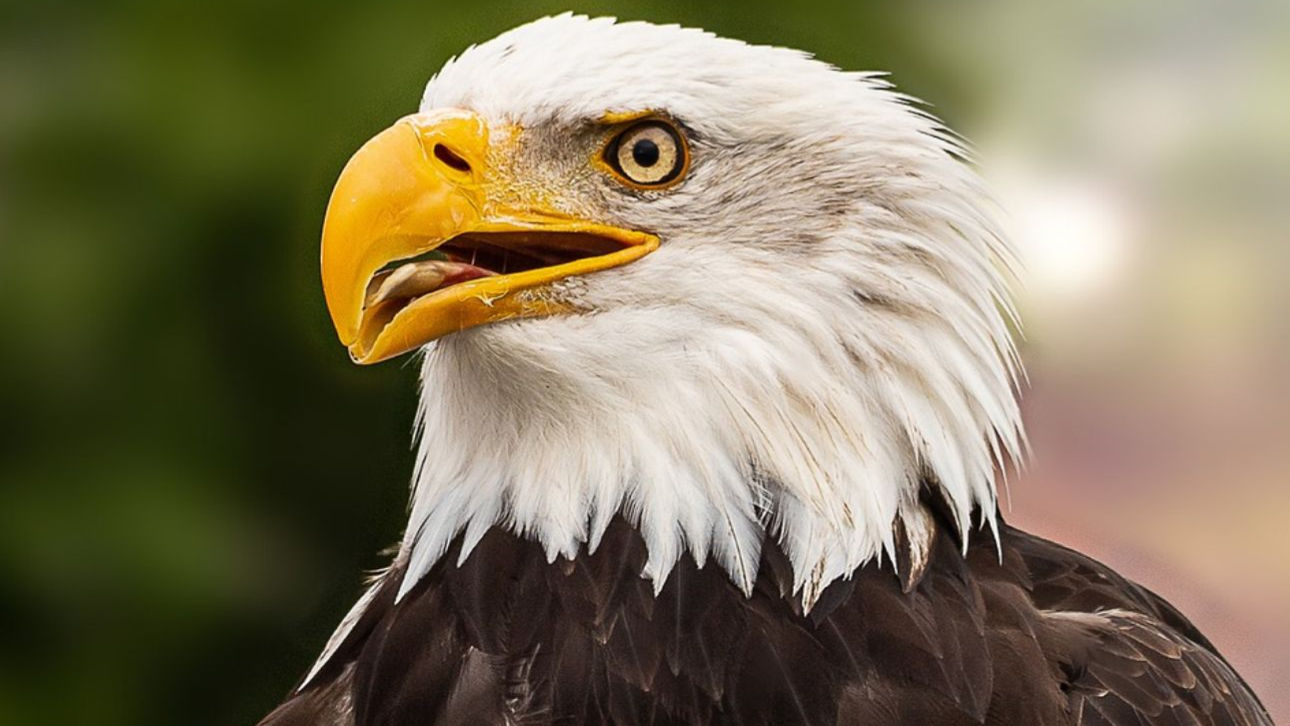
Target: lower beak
(419,190)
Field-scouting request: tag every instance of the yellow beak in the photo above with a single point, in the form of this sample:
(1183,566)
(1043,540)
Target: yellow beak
(422,186)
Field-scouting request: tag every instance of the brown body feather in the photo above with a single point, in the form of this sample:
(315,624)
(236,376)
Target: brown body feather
(1040,636)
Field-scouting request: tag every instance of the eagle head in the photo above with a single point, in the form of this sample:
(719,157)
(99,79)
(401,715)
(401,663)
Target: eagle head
(727,292)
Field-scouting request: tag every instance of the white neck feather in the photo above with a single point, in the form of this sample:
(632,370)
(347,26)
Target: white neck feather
(819,431)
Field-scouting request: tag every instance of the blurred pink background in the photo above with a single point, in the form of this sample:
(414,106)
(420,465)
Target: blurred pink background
(1142,152)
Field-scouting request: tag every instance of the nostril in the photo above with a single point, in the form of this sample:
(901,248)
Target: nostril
(450,158)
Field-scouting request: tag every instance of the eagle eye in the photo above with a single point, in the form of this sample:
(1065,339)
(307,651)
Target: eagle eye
(648,154)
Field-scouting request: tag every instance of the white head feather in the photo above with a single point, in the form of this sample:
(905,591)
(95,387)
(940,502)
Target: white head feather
(824,329)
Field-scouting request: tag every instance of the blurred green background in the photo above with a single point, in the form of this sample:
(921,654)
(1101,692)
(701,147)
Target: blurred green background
(193,476)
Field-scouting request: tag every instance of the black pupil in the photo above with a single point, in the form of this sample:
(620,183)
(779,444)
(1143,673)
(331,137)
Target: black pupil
(645,152)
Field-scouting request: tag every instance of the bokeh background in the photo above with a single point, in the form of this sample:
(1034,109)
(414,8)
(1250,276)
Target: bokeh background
(193,475)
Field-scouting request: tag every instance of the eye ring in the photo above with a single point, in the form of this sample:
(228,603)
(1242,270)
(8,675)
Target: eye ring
(649,154)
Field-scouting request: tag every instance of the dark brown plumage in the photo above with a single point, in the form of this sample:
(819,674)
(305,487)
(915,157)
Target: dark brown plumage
(1039,636)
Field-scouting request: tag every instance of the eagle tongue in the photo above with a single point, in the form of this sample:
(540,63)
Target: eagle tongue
(418,278)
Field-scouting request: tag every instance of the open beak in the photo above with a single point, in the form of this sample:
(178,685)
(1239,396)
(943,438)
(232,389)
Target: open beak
(414,248)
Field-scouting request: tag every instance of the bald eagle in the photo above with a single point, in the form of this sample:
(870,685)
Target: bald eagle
(717,374)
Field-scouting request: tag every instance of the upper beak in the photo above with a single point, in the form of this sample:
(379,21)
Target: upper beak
(424,183)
